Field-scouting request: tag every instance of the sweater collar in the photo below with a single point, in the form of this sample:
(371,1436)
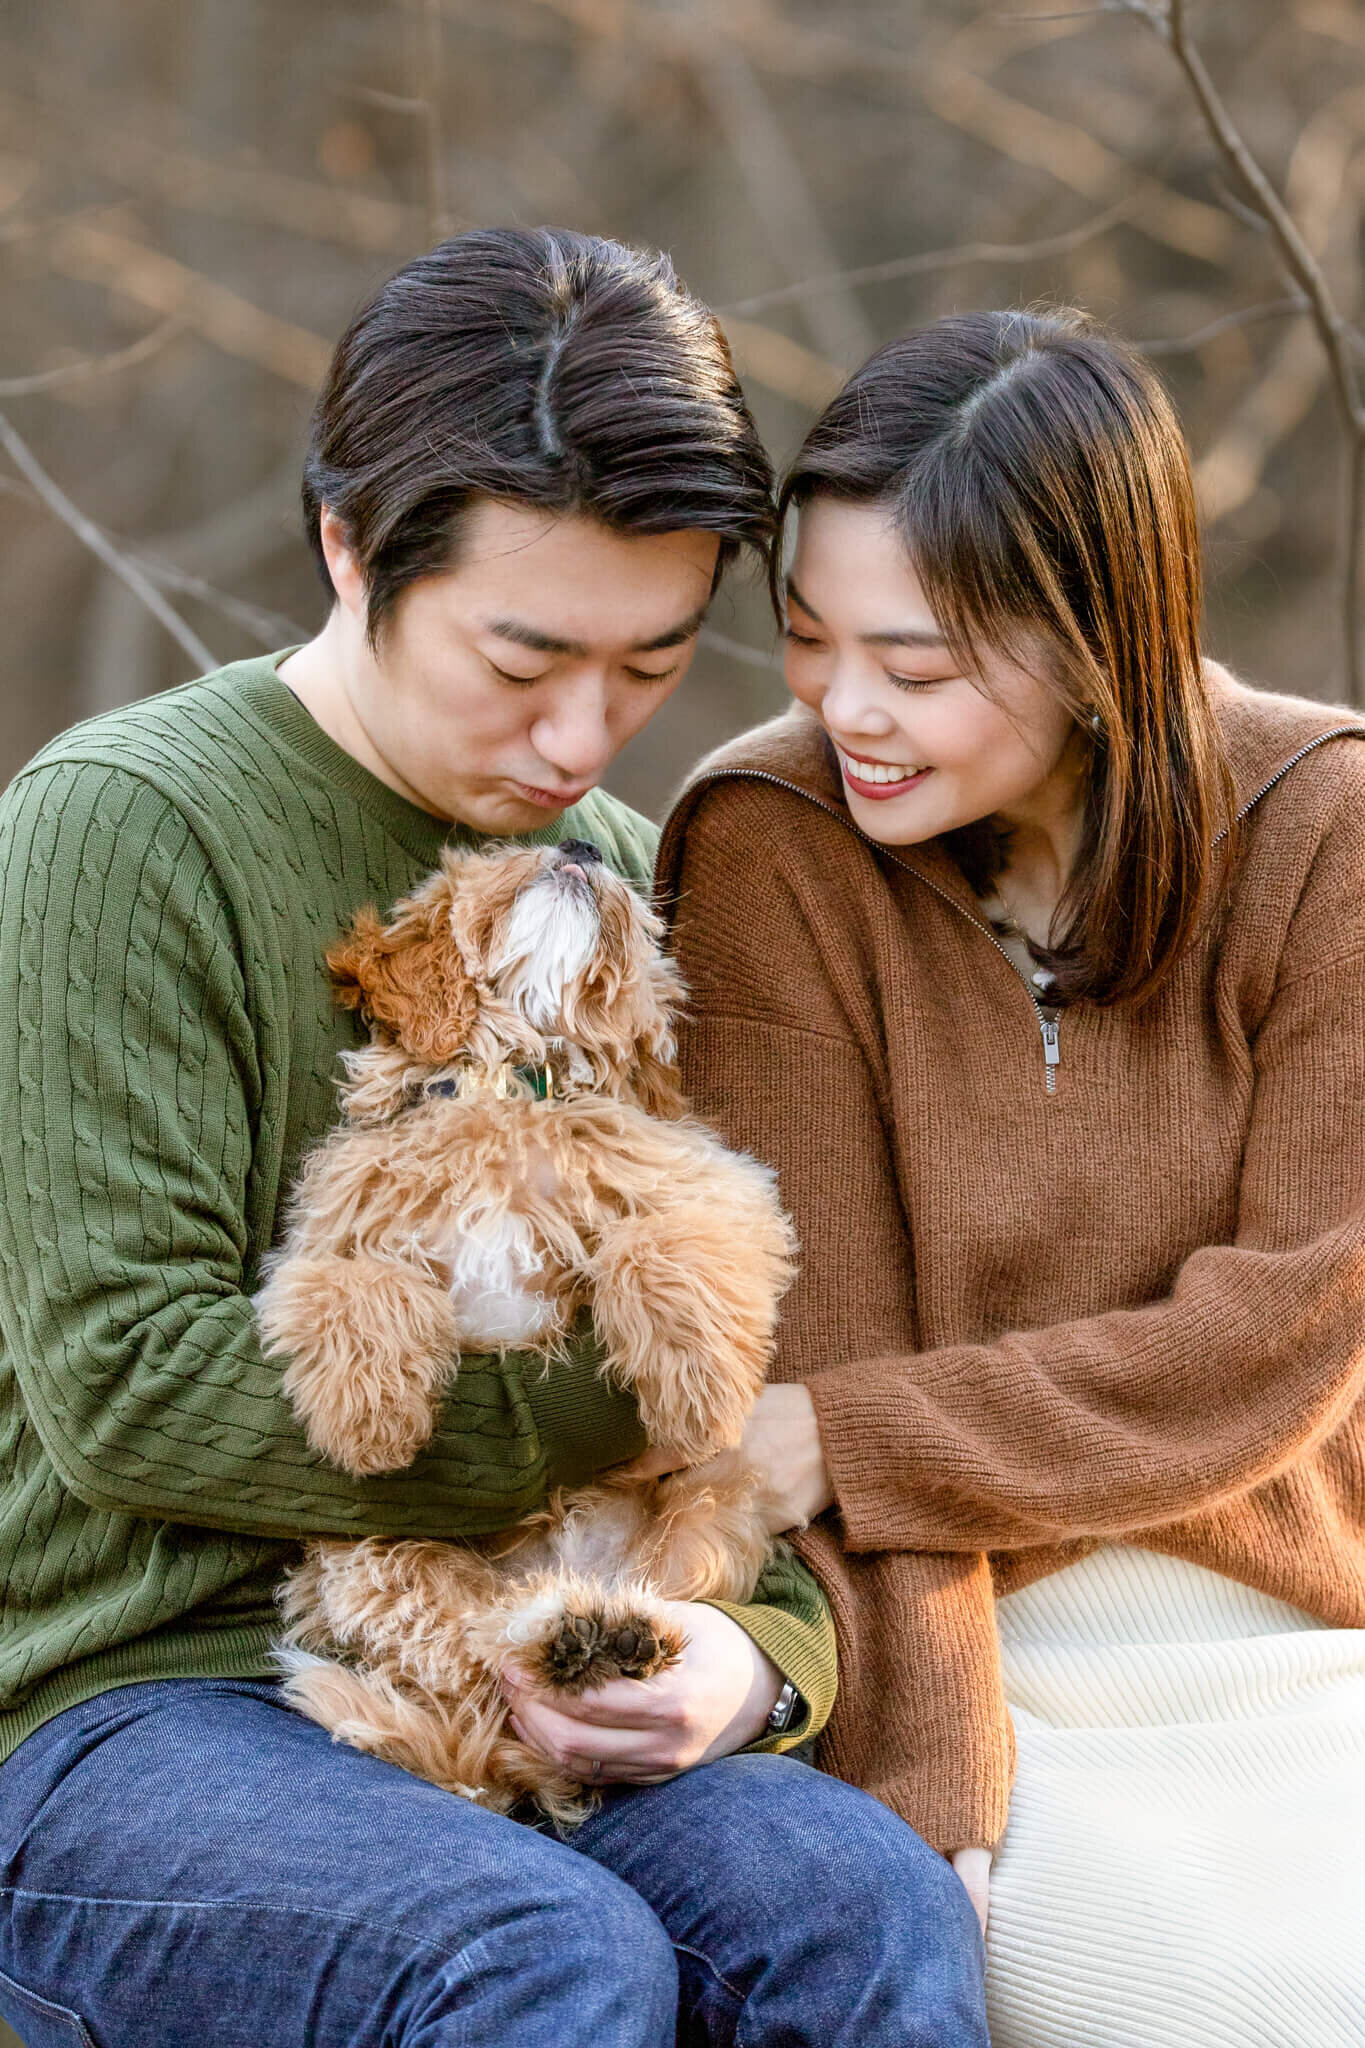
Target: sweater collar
(1264,735)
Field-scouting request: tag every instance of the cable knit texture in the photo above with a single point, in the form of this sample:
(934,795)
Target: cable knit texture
(1130,1309)
(170,876)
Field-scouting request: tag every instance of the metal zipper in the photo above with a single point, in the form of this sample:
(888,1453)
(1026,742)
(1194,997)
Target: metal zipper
(1049,1024)
(1338,732)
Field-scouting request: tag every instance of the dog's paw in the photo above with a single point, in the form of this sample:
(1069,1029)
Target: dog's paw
(586,1650)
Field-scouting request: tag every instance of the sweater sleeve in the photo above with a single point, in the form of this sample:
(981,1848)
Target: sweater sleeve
(131,1089)
(790,1620)
(1112,1423)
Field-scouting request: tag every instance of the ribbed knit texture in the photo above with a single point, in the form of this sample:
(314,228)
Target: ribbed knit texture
(170,876)
(1132,1308)
(1183,1858)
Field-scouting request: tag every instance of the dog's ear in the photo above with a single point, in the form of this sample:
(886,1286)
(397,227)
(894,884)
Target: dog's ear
(408,978)
(655,1079)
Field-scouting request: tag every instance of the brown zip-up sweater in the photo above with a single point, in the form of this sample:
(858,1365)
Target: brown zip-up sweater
(1110,1289)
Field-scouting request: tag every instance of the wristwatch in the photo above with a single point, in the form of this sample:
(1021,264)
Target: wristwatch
(786,1707)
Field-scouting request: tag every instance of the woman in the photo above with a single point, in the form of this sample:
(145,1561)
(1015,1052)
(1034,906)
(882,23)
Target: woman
(1030,950)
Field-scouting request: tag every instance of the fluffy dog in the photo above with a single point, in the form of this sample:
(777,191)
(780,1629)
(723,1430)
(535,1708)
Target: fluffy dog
(515,1151)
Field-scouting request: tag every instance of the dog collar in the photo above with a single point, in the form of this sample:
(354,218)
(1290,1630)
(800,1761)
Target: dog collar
(539,1081)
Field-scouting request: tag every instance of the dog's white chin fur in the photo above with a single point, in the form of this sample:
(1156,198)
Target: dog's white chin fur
(551,937)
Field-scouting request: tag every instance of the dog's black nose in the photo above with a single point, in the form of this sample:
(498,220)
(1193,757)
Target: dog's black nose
(581,850)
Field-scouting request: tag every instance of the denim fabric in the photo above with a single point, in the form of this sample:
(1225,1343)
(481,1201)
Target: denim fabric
(188,1864)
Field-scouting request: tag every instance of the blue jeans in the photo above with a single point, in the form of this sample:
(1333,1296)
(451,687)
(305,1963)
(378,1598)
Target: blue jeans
(188,1863)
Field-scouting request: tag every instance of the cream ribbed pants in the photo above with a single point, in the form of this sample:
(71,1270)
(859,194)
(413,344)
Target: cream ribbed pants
(1184,1865)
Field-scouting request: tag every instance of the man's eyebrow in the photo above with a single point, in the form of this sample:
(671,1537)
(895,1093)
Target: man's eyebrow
(523,635)
(896,636)
(686,629)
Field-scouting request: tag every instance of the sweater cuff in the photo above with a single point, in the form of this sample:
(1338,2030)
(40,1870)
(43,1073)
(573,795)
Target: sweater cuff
(804,1652)
(584,1421)
(880,1506)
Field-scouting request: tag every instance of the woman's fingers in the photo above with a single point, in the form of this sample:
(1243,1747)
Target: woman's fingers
(973,1866)
(651,1465)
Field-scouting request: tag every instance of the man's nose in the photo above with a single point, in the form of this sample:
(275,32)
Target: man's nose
(580,850)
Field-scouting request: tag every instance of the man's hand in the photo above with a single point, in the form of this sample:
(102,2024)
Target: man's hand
(714,1700)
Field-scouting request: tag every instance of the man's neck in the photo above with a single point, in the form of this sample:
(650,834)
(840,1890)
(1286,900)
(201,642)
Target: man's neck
(316,673)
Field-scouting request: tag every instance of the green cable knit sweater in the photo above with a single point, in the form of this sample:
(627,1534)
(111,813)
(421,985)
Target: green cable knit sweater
(170,875)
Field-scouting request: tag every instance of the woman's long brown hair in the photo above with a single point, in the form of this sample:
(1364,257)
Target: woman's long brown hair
(1039,476)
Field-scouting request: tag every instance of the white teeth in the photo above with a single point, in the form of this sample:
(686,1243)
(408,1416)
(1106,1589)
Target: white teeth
(875,771)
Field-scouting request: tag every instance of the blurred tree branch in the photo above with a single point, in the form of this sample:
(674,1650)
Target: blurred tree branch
(949,82)
(927,260)
(232,191)
(1285,398)
(429,70)
(777,187)
(90,536)
(232,323)
(91,366)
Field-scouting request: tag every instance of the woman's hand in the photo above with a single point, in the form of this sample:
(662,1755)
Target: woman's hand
(714,1700)
(973,1866)
(781,1442)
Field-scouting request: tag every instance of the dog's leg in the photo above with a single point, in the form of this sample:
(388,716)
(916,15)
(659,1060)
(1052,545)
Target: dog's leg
(370,1345)
(461,1745)
(686,1298)
(570,1632)
(366,1710)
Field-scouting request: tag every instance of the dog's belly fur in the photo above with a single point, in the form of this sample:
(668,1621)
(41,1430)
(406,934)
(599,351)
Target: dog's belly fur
(494,1268)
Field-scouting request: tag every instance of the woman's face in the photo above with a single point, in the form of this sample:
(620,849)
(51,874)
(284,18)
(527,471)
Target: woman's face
(923,747)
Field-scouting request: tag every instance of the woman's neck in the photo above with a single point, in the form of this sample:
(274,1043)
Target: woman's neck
(1042,842)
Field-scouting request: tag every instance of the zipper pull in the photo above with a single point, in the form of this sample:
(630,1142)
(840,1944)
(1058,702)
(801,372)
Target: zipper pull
(1052,1051)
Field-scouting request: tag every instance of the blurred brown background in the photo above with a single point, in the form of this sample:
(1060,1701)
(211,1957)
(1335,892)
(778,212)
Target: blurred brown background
(205,189)
(226,179)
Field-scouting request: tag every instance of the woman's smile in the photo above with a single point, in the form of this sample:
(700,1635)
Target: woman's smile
(878,780)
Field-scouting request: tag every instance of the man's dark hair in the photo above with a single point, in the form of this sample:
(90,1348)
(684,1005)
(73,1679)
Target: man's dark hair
(534,364)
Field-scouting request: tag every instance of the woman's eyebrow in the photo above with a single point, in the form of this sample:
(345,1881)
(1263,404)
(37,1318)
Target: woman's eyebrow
(523,635)
(904,636)
(899,636)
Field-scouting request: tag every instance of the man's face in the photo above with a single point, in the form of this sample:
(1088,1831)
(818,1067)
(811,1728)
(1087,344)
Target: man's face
(504,688)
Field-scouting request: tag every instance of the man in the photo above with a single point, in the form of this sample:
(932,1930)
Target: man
(528,468)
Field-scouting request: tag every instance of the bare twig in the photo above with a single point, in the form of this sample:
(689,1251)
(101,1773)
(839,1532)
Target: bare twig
(1245,316)
(739,650)
(143,163)
(1169,19)
(941,259)
(271,629)
(779,192)
(92,366)
(29,467)
(431,79)
(388,102)
(209,309)
(951,83)
(782,364)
